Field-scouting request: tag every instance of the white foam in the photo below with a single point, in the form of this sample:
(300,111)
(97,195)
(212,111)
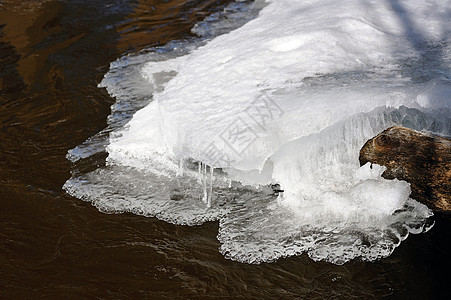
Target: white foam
(289,98)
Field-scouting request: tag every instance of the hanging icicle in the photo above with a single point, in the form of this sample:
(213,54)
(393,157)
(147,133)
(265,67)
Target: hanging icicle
(180,170)
(204,183)
(210,187)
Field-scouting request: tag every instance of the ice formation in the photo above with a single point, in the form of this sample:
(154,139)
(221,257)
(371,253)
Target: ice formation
(288,98)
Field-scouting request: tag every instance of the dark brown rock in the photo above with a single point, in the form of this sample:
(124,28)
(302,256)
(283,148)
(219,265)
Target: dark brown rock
(421,159)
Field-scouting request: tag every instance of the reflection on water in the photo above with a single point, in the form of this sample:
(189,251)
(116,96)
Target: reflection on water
(31,23)
(52,56)
(152,23)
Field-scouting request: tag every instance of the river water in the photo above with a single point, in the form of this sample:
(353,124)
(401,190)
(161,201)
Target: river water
(53,54)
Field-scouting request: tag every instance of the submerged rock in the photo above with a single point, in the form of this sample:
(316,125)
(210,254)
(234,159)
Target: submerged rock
(421,159)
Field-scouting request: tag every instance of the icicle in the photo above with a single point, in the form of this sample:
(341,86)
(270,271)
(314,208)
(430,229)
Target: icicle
(181,168)
(204,182)
(207,187)
(199,173)
(210,187)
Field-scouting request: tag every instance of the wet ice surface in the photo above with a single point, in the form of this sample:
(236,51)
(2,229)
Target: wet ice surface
(117,189)
(287,98)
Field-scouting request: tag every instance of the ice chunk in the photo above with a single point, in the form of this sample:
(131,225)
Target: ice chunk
(288,98)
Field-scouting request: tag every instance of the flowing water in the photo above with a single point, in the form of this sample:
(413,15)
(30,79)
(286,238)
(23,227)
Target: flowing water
(53,55)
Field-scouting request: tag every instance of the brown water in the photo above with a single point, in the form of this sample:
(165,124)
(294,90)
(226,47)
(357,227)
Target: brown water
(52,56)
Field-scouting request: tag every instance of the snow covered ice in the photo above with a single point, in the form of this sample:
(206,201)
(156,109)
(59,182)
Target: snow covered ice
(288,98)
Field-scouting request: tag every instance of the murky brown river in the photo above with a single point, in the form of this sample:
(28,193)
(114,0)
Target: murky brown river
(52,56)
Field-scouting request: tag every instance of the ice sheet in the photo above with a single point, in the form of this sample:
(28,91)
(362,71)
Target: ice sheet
(288,98)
